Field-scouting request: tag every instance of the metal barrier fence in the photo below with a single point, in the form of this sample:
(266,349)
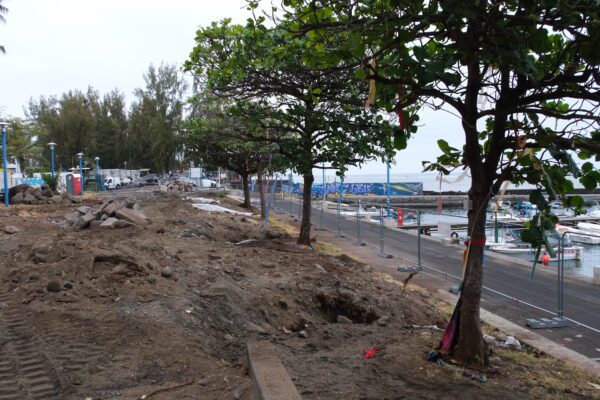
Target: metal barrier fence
(368,225)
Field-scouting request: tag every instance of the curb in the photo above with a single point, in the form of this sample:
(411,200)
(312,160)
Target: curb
(270,378)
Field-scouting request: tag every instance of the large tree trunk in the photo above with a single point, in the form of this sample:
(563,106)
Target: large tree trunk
(471,349)
(261,192)
(246,190)
(304,238)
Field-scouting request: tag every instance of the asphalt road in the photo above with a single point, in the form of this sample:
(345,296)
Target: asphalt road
(581,299)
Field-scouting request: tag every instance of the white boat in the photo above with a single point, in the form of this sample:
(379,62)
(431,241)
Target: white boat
(594,211)
(570,253)
(589,226)
(579,235)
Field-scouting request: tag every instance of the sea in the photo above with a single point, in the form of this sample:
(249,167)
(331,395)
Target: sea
(454,182)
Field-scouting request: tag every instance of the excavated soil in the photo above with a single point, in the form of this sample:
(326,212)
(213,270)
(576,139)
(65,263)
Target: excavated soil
(119,329)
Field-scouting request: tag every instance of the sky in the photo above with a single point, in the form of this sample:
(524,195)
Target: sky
(53,46)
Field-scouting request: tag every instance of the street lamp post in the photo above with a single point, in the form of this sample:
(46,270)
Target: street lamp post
(80,155)
(98,177)
(52,144)
(6,199)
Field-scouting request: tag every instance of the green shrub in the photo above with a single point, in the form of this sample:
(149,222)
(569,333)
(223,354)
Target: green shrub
(50,181)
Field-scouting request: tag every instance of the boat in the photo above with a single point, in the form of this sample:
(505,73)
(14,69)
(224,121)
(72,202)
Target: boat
(594,211)
(557,209)
(579,235)
(589,226)
(570,253)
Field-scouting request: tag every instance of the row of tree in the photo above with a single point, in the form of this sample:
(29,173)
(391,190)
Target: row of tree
(319,78)
(148,134)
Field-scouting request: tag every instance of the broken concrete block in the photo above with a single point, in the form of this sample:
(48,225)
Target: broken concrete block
(115,223)
(56,199)
(112,208)
(83,221)
(131,215)
(85,209)
(37,192)
(72,217)
(47,193)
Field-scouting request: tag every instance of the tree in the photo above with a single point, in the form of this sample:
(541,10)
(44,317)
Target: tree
(222,139)
(156,117)
(315,113)
(70,122)
(3,11)
(522,76)
(22,143)
(111,127)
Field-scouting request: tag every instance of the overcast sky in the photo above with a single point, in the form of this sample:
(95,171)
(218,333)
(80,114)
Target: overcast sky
(53,46)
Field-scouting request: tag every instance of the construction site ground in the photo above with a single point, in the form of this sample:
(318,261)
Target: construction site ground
(95,314)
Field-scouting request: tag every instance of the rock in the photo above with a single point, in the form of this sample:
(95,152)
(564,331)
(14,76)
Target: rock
(137,206)
(29,198)
(104,217)
(95,223)
(383,321)
(166,272)
(495,360)
(66,196)
(202,381)
(281,286)
(115,223)
(228,337)
(11,229)
(112,208)
(152,280)
(83,222)
(489,339)
(85,209)
(160,230)
(303,334)
(344,320)
(320,268)
(68,285)
(17,198)
(283,304)
(367,268)
(129,203)
(17,189)
(47,193)
(56,199)
(36,192)
(131,215)
(512,343)
(237,395)
(53,286)
(72,217)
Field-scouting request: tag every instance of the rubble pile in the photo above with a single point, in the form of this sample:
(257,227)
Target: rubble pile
(179,186)
(112,214)
(25,194)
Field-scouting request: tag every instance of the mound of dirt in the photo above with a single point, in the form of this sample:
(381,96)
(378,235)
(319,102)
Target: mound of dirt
(121,313)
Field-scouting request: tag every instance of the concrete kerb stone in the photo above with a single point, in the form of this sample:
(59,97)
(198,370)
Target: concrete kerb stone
(270,378)
(533,339)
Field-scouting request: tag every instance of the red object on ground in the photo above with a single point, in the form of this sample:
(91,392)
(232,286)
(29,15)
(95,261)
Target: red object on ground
(369,353)
(400,217)
(545,260)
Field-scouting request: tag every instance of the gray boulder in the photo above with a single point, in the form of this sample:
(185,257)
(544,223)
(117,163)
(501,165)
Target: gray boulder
(131,215)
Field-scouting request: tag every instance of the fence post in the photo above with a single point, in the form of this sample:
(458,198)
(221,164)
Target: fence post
(338,232)
(382,252)
(419,238)
(358,241)
(496,227)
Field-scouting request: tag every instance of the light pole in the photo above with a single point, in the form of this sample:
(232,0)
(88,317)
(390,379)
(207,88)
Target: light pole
(52,144)
(80,155)
(6,199)
(98,177)
(389,211)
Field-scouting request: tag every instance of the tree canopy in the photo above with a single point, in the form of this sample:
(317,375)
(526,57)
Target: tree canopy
(522,76)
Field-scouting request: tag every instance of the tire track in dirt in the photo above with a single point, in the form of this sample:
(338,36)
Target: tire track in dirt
(25,371)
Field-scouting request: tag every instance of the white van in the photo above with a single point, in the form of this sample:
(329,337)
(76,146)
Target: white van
(112,182)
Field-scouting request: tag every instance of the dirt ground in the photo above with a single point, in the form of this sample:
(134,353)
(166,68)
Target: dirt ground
(119,329)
